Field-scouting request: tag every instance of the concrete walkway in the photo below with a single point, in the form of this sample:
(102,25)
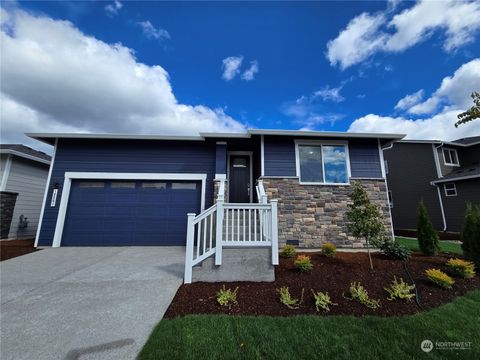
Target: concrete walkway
(85,303)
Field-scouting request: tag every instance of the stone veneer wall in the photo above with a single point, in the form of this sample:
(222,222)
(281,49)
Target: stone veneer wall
(7,206)
(315,214)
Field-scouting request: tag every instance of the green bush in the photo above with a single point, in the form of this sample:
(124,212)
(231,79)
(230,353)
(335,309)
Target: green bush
(459,267)
(394,250)
(303,263)
(471,234)
(400,290)
(427,236)
(287,299)
(288,251)
(329,249)
(439,278)
(227,297)
(358,293)
(322,301)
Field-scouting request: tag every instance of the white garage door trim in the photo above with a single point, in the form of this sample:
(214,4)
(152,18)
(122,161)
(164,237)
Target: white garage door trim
(69,176)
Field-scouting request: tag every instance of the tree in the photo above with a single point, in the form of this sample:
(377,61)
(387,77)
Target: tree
(472,113)
(427,236)
(471,234)
(365,219)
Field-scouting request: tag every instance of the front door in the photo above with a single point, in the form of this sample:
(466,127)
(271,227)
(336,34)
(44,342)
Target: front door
(239,181)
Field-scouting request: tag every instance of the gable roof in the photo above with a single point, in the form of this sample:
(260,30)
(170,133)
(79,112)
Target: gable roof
(25,152)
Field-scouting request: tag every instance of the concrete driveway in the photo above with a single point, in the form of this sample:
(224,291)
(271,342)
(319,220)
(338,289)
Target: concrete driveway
(85,303)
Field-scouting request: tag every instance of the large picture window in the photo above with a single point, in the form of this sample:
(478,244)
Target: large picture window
(323,163)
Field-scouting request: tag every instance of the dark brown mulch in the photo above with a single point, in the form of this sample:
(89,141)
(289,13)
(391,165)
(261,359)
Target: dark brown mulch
(328,275)
(13,248)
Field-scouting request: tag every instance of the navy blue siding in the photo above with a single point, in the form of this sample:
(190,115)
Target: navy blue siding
(221,159)
(126,156)
(279,155)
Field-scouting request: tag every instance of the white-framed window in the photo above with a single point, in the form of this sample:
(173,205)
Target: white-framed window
(390,199)
(450,189)
(450,157)
(322,162)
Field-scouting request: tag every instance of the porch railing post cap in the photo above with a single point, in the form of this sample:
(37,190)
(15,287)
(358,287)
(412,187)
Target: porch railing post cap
(191,214)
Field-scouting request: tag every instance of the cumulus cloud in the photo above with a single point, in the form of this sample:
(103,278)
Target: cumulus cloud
(112,9)
(231,67)
(367,34)
(330,94)
(409,100)
(55,78)
(249,74)
(151,32)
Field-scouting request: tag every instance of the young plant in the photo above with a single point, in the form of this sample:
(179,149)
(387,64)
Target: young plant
(358,293)
(393,250)
(287,299)
(365,219)
(463,268)
(400,290)
(427,236)
(303,263)
(322,301)
(471,234)
(227,297)
(288,251)
(439,278)
(329,249)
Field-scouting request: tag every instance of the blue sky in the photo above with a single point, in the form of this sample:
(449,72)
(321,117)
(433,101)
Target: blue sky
(333,66)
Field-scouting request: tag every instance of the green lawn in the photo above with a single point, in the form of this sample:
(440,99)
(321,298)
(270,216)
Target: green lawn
(318,337)
(445,246)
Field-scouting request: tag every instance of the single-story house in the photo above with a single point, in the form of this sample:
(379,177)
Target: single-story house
(23,174)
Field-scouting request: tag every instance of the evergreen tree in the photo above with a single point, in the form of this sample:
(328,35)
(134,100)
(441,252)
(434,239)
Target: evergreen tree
(471,234)
(427,236)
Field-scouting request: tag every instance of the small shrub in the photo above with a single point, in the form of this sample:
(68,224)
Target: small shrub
(358,293)
(400,290)
(322,301)
(288,251)
(303,263)
(227,297)
(393,250)
(471,234)
(427,236)
(329,249)
(439,278)
(463,268)
(287,299)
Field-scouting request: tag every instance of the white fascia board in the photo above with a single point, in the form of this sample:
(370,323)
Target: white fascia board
(43,136)
(338,134)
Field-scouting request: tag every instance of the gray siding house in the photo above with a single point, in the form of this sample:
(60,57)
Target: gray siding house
(23,177)
(446,175)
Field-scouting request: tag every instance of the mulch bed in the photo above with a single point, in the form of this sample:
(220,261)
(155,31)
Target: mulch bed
(13,248)
(328,275)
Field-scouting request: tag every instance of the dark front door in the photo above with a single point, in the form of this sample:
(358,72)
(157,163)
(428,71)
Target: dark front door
(239,182)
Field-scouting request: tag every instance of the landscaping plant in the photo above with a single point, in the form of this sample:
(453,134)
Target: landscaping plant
(287,299)
(439,278)
(365,219)
(427,236)
(394,250)
(463,268)
(322,301)
(303,263)
(400,290)
(358,293)
(288,251)
(471,234)
(329,249)
(227,297)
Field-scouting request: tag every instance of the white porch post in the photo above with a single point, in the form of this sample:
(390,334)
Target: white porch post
(219,233)
(274,204)
(189,249)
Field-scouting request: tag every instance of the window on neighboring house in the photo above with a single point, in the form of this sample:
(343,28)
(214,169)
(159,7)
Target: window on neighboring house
(450,189)
(323,163)
(386,166)
(450,157)
(390,198)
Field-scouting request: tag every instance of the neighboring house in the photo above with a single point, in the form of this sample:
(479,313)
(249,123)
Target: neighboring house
(116,190)
(23,177)
(446,175)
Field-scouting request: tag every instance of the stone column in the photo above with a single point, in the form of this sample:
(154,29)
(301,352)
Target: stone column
(7,206)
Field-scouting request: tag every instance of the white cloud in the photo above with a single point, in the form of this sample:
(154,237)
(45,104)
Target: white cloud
(151,32)
(367,34)
(55,78)
(113,9)
(231,67)
(249,74)
(330,94)
(409,100)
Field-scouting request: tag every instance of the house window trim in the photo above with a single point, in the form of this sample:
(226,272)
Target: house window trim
(321,143)
(454,188)
(456,156)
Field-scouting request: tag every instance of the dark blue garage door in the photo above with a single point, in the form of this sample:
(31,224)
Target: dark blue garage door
(120,213)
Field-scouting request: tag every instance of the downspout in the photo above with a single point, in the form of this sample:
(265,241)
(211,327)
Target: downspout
(439,174)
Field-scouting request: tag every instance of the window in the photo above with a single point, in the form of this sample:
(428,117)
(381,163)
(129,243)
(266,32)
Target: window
(91,184)
(390,199)
(123,185)
(385,162)
(450,189)
(184,186)
(154,185)
(322,163)
(450,157)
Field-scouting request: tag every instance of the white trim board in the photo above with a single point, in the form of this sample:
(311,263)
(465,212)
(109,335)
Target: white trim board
(244,153)
(69,176)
